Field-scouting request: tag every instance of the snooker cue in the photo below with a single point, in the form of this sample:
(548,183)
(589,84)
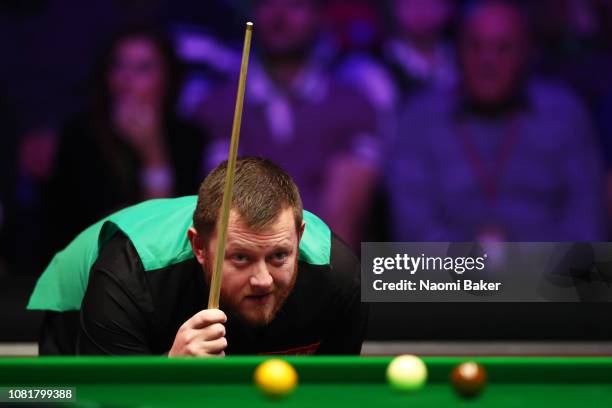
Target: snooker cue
(215,282)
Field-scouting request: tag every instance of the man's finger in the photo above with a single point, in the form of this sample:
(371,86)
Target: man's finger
(213,347)
(206,318)
(213,332)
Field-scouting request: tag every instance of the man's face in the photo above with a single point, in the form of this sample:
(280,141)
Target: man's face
(493,53)
(260,267)
(286,26)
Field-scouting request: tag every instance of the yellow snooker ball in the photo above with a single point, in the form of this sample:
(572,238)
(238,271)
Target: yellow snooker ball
(407,373)
(276,378)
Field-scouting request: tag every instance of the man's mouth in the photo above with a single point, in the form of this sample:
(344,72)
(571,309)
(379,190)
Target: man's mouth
(259,299)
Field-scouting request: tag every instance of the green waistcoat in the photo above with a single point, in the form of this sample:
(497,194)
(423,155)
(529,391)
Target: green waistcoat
(158,231)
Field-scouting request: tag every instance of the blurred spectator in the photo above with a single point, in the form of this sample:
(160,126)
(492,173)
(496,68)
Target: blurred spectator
(52,47)
(204,39)
(577,39)
(130,145)
(504,157)
(416,56)
(296,114)
(49,47)
(577,44)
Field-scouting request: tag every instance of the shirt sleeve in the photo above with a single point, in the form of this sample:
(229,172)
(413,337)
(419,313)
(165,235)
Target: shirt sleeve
(58,333)
(115,313)
(351,318)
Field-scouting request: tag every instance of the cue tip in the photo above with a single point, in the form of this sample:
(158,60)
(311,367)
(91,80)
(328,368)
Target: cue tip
(249,24)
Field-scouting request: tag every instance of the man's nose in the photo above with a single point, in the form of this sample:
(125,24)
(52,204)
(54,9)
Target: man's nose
(262,277)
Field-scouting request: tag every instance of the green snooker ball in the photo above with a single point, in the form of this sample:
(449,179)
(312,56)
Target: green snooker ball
(407,373)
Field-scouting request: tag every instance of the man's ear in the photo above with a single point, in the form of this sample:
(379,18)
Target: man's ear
(197,245)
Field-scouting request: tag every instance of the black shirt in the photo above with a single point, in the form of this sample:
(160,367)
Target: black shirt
(129,311)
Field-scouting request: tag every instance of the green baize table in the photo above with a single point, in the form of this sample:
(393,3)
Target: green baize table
(323,381)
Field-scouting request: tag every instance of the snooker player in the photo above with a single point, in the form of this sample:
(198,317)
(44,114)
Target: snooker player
(137,282)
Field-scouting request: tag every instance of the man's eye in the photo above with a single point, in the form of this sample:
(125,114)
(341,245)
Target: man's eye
(240,258)
(280,256)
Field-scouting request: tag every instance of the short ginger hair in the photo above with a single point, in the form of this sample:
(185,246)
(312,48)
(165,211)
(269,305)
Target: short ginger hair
(261,191)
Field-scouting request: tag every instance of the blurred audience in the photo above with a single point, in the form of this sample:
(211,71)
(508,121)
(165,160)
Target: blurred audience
(483,147)
(577,42)
(505,156)
(129,145)
(418,54)
(297,114)
(577,39)
(415,56)
(51,47)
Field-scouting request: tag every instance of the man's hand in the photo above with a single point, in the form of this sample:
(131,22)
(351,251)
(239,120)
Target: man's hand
(203,335)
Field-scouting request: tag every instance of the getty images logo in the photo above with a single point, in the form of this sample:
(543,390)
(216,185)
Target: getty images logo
(413,264)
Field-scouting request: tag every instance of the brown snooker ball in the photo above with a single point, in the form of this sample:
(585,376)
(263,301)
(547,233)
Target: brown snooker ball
(469,379)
